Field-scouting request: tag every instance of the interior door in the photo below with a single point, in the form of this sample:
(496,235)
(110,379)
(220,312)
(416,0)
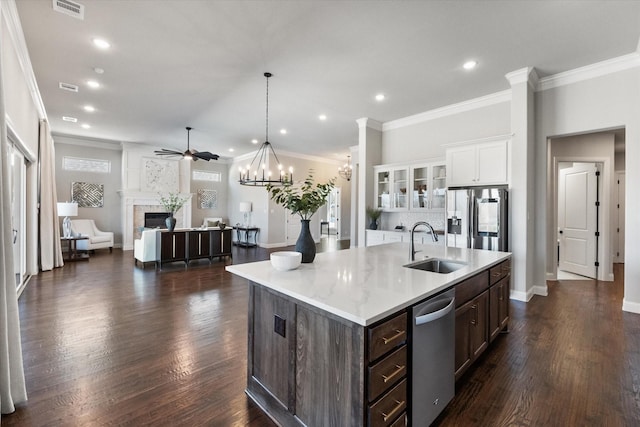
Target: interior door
(577,195)
(333,212)
(18,213)
(293,227)
(620,205)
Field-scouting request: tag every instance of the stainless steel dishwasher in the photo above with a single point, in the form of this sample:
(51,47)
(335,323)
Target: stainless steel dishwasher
(432,357)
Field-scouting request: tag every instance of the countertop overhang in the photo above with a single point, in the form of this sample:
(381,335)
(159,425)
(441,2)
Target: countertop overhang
(365,285)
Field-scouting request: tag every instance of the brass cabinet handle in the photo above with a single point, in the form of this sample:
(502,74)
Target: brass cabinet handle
(395,337)
(399,369)
(398,407)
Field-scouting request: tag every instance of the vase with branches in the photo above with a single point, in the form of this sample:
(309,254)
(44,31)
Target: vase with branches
(172,203)
(304,201)
(374,215)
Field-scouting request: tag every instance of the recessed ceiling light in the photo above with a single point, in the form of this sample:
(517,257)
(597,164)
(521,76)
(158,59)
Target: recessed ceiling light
(93,84)
(231,150)
(101,43)
(69,119)
(254,141)
(470,65)
(85,126)
(89,108)
(322,117)
(98,70)
(283,131)
(380,97)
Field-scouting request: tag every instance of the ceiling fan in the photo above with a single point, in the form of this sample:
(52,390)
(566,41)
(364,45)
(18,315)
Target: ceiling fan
(189,154)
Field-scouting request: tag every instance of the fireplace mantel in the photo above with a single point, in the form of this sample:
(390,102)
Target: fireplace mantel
(130,199)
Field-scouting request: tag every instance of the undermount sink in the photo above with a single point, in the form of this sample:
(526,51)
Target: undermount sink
(436,265)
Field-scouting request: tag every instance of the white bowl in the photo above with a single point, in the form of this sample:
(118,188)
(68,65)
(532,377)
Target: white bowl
(286,260)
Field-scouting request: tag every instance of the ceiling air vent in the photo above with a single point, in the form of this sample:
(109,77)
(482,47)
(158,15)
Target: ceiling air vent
(68,86)
(69,7)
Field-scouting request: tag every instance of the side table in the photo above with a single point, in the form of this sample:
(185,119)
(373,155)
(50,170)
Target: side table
(73,254)
(244,233)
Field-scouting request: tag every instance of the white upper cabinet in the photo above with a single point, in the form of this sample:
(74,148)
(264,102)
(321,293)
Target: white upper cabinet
(429,186)
(478,164)
(410,187)
(391,187)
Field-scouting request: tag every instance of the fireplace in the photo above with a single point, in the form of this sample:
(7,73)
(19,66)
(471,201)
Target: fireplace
(156,219)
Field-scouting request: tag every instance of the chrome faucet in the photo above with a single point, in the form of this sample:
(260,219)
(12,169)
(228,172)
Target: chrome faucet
(412,254)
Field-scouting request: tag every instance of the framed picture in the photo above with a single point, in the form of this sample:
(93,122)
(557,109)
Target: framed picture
(87,195)
(207,199)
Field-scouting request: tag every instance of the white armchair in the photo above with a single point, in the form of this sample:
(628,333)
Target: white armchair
(97,239)
(144,248)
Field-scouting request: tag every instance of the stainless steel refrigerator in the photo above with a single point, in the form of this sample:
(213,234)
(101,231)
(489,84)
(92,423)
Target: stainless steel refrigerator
(477,218)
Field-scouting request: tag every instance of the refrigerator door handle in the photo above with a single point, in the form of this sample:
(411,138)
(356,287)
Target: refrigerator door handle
(471,205)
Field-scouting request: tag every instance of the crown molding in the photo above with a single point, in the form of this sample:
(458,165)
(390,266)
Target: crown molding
(493,138)
(85,141)
(9,11)
(590,71)
(366,122)
(471,104)
(523,75)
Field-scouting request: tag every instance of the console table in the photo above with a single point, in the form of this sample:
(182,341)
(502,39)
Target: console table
(243,235)
(73,250)
(190,244)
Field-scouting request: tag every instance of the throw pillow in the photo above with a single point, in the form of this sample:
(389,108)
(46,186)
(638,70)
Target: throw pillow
(212,223)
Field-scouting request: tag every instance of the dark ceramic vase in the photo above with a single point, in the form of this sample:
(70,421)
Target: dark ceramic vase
(373,225)
(171,223)
(305,243)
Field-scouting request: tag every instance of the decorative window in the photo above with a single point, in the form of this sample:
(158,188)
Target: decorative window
(200,175)
(86,165)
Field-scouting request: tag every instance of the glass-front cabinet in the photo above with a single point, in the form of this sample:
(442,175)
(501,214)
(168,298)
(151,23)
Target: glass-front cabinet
(391,188)
(411,187)
(429,186)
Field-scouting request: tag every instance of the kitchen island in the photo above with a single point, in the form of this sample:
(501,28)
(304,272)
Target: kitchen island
(319,335)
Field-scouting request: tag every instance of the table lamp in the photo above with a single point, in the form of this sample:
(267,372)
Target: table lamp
(67,209)
(245,207)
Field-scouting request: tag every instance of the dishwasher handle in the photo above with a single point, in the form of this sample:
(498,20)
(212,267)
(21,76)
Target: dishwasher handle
(430,317)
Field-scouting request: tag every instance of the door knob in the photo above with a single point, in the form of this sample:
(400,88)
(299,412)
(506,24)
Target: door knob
(560,231)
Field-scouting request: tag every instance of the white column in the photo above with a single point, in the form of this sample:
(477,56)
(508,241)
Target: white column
(522,185)
(369,155)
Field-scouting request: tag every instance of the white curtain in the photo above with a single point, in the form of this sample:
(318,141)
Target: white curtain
(50,247)
(12,386)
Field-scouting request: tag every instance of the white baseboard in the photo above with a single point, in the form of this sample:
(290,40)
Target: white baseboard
(631,307)
(520,296)
(541,290)
(272,245)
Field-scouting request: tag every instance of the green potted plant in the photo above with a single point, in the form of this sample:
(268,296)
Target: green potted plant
(304,202)
(172,204)
(373,214)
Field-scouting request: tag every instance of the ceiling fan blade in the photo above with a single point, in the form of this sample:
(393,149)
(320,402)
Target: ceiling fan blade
(165,151)
(205,155)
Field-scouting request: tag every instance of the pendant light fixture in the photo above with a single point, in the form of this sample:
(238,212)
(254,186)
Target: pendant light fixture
(256,174)
(346,170)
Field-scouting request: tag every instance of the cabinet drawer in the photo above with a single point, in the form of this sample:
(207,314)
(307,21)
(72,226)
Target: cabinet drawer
(386,410)
(387,372)
(387,336)
(471,287)
(495,274)
(401,421)
(506,268)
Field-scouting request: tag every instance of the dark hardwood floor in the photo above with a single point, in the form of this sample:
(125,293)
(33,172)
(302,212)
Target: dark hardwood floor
(107,343)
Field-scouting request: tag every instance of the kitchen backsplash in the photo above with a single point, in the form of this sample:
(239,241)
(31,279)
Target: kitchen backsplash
(389,220)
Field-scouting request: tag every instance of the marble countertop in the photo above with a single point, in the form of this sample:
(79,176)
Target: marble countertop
(365,285)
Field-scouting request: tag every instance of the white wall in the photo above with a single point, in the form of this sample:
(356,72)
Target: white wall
(107,218)
(425,140)
(606,102)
